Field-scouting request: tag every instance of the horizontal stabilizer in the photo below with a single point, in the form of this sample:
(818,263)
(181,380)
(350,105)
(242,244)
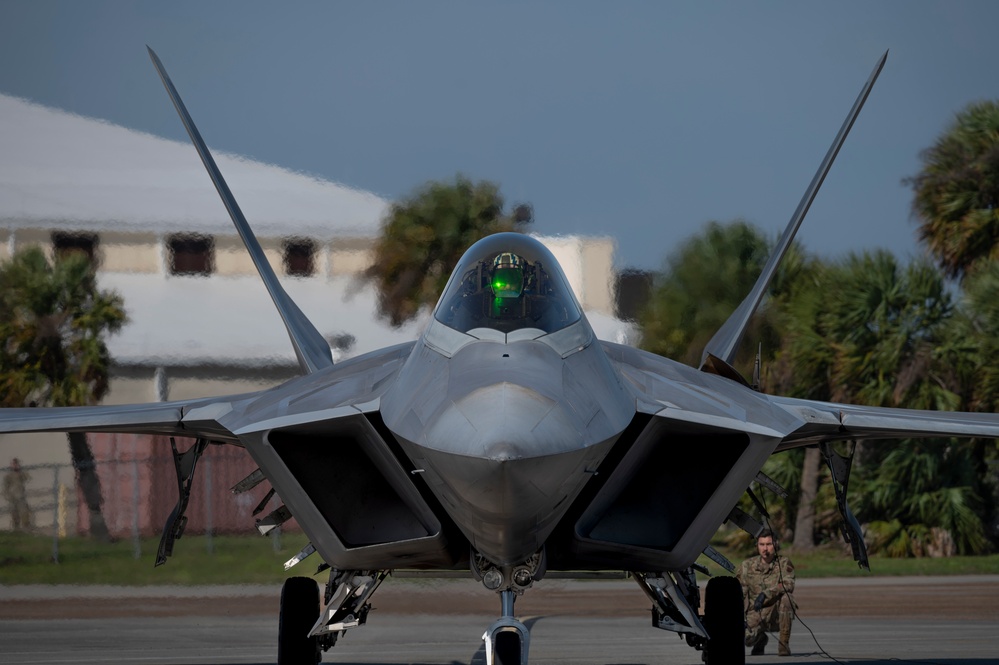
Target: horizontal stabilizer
(311,348)
(726,341)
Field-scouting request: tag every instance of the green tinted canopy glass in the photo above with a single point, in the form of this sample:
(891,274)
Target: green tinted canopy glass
(508,282)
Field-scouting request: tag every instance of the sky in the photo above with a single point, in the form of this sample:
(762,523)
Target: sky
(637,120)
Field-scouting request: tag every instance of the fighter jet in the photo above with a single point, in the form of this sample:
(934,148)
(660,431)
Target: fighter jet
(510,443)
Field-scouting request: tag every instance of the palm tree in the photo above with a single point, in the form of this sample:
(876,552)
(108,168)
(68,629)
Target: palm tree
(53,321)
(887,326)
(882,335)
(977,330)
(423,237)
(957,190)
(923,500)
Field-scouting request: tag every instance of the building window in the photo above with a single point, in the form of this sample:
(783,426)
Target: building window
(299,257)
(634,290)
(66,244)
(191,254)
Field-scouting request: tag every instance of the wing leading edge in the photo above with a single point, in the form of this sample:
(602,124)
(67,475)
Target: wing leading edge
(161,418)
(829,421)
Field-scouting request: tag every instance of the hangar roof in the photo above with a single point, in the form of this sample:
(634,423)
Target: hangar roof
(64,171)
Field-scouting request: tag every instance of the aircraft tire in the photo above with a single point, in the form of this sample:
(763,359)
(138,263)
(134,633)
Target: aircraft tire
(725,621)
(299,612)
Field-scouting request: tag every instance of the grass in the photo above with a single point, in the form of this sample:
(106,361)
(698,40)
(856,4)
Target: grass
(834,563)
(27,559)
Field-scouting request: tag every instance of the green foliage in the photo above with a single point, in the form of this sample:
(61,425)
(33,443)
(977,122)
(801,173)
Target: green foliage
(423,237)
(873,332)
(53,320)
(957,190)
(701,284)
(921,499)
(27,559)
(866,330)
(978,328)
(838,562)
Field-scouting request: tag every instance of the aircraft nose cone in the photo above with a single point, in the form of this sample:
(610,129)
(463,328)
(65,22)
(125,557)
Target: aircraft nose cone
(505,421)
(509,460)
(506,402)
(507,436)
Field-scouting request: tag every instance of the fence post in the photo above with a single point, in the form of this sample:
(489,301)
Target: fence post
(136,541)
(209,545)
(63,509)
(55,515)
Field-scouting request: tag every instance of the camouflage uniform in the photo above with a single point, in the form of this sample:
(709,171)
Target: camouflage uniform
(758,577)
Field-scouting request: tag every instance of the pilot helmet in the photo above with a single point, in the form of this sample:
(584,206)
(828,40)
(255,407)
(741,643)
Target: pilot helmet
(507,275)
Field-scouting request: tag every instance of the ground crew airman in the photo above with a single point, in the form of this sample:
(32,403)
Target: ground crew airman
(15,491)
(767,583)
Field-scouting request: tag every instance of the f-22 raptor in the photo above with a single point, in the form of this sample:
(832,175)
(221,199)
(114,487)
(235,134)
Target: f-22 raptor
(508,442)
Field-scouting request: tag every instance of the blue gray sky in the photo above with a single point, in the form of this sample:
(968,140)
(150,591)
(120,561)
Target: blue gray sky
(639,120)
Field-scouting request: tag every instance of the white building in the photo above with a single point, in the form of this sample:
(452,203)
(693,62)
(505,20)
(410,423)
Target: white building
(200,320)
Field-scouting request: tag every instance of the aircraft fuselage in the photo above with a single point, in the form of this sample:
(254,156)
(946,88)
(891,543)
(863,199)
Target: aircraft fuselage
(507,434)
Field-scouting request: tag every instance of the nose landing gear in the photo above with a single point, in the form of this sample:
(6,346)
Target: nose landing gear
(507,641)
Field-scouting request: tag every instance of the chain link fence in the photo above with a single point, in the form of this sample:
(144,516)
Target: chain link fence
(138,490)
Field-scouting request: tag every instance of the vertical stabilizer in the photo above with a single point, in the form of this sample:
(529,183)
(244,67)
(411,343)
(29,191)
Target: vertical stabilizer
(725,342)
(311,349)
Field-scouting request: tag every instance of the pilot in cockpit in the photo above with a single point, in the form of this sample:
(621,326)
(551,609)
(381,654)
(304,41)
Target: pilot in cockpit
(509,283)
(505,289)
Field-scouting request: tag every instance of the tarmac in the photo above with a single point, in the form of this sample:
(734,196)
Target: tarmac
(863,621)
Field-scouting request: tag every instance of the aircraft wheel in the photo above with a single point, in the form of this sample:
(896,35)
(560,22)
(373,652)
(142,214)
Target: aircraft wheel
(299,612)
(725,622)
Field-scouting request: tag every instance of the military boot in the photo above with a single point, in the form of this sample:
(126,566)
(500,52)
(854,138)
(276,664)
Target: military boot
(784,644)
(760,645)
(786,617)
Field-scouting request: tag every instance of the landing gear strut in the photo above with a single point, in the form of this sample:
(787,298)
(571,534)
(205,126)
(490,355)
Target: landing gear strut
(719,633)
(507,640)
(304,631)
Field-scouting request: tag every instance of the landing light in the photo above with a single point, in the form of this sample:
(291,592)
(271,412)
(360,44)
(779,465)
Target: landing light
(522,577)
(492,579)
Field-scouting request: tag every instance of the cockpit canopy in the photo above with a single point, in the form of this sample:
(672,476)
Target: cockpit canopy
(506,282)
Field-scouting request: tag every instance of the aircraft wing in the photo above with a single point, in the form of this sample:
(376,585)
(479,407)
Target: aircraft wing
(670,390)
(160,418)
(829,421)
(354,382)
